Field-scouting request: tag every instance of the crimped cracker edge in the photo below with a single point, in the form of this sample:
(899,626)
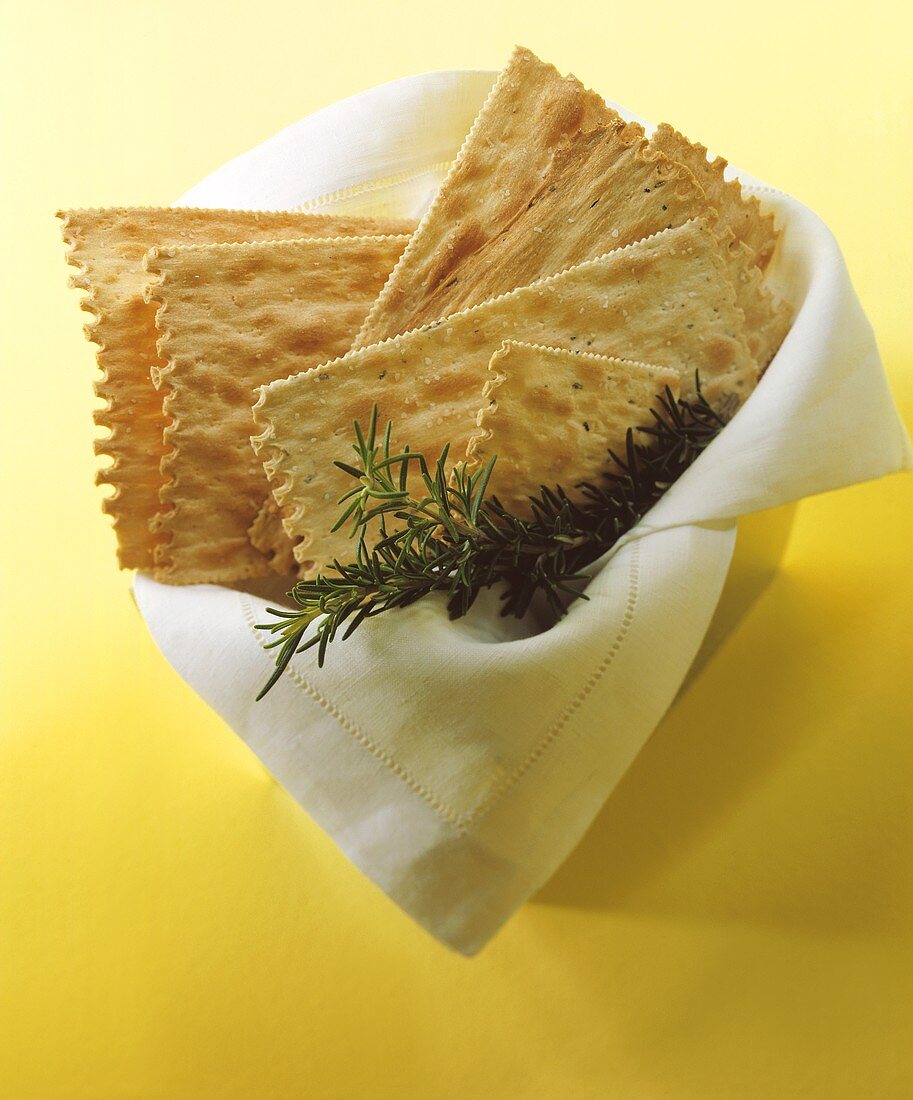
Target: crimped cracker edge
(281,242)
(89,304)
(718,166)
(367,187)
(65,212)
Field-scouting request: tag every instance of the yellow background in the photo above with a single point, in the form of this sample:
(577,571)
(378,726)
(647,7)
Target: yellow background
(738,921)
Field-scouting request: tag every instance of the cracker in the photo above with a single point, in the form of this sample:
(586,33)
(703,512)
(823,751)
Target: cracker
(107,247)
(225,313)
(554,416)
(529,112)
(267,535)
(604,189)
(741,213)
(767,319)
(665,300)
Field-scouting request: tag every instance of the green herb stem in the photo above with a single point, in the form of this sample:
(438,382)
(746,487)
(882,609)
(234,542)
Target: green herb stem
(446,535)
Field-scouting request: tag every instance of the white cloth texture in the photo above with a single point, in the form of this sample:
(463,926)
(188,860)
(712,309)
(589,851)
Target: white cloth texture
(458,763)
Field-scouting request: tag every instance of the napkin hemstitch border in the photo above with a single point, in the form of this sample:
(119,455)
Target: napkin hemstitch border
(463,822)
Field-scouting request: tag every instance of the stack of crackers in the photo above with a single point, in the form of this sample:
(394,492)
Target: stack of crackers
(569,272)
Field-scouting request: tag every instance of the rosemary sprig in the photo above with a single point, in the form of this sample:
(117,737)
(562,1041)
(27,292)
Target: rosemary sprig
(417,531)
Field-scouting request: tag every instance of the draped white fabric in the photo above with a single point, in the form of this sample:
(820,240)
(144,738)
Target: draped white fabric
(457,764)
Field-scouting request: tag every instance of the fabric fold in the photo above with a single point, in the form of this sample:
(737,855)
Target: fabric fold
(458,763)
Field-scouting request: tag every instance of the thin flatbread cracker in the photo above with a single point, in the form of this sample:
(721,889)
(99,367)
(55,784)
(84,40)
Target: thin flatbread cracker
(225,311)
(554,415)
(267,535)
(741,213)
(666,300)
(767,319)
(603,190)
(529,112)
(107,247)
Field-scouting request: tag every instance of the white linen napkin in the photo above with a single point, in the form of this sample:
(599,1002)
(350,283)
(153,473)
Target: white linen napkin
(458,763)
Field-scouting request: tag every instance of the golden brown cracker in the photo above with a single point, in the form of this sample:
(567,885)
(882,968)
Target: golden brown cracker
(665,300)
(229,315)
(604,189)
(555,417)
(267,535)
(107,247)
(767,319)
(741,213)
(530,111)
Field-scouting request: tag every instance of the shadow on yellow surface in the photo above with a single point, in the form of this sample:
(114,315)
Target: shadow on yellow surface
(724,744)
(735,925)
